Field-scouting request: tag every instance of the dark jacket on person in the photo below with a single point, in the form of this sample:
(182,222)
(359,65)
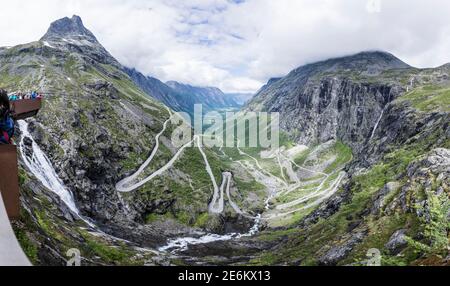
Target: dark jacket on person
(6,127)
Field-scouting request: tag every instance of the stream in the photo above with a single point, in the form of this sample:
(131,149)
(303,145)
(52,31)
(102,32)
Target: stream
(181,244)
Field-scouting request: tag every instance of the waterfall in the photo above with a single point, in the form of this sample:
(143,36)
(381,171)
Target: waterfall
(376,124)
(40,166)
(42,169)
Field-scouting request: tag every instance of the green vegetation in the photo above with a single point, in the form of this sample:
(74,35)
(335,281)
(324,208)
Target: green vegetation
(48,227)
(8,81)
(429,98)
(248,186)
(310,243)
(151,218)
(301,158)
(436,226)
(131,162)
(186,187)
(307,244)
(192,163)
(202,220)
(29,248)
(70,67)
(120,254)
(185,190)
(344,155)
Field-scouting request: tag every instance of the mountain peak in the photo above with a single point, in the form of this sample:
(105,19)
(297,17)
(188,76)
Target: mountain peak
(69,28)
(368,62)
(384,59)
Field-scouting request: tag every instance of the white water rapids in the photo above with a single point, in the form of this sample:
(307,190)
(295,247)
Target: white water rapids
(37,162)
(182,243)
(42,169)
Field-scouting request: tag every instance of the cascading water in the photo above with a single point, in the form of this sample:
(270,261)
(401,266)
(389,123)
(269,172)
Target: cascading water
(376,124)
(182,243)
(381,116)
(41,167)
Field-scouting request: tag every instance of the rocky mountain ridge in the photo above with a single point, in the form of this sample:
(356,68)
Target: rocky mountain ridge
(73,35)
(69,29)
(183,97)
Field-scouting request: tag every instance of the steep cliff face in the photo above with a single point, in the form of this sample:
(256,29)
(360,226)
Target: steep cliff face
(72,35)
(156,88)
(396,119)
(93,120)
(332,99)
(331,109)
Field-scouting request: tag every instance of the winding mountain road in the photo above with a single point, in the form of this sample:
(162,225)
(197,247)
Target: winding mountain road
(277,186)
(217,204)
(327,193)
(124,185)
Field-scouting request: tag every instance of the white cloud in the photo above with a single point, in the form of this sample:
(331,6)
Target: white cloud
(237,47)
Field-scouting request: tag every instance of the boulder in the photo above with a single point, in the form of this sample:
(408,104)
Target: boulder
(337,253)
(397,242)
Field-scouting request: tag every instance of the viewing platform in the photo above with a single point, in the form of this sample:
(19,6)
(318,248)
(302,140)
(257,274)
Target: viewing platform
(11,253)
(25,108)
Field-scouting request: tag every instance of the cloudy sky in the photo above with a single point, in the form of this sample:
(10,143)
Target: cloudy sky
(238,45)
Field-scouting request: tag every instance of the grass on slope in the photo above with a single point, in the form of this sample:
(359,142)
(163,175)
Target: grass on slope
(306,245)
(429,98)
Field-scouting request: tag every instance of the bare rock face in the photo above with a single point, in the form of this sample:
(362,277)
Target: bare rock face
(397,242)
(437,162)
(380,197)
(431,172)
(103,88)
(360,100)
(337,253)
(95,121)
(70,34)
(327,101)
(70,28)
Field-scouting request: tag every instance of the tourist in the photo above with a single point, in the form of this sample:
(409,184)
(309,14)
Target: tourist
(6,122)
